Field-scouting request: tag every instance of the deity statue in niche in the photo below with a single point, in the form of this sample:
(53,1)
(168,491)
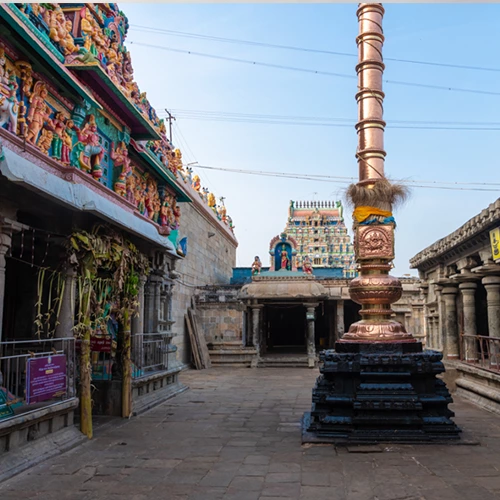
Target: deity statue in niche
(88,150)
(285,261)
(120,157)
(130,188)
(140,196)
(256,266)
(176,211)
(67,142)
(58,127)
(38,113)
(307,266)
(165,211)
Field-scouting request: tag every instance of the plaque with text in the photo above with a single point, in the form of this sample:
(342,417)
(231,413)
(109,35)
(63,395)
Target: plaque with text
(46,378)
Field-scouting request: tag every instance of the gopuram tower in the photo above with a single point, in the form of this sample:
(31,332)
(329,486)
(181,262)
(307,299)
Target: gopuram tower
(377,385)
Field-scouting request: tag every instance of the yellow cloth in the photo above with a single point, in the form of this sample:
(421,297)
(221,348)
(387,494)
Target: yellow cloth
(362,213)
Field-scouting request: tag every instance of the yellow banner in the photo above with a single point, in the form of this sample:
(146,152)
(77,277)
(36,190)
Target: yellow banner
(495,243)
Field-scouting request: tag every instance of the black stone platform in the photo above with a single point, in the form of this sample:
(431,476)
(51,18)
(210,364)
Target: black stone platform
(374,393)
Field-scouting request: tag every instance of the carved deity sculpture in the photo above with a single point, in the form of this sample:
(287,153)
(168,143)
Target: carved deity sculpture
(8,97)
(45,140)
(285,261)
(212,203)
(176,210)
(58,127)
(67,142)
(60,31)
(223,214)
(165,211)
(256,266)
(130,188)
(178,162)
(121,159)
(88,150)
(306,265)
(196,183)
(38,113)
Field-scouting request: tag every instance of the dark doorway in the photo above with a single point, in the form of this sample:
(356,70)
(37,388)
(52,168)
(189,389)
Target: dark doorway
(286,328)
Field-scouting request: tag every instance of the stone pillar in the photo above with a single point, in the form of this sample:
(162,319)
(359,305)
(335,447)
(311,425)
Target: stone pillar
(5,243)
(340,326)
(450,322)
(469,308)
(311,345)
(492,285)
(65,327)
(152,303)
(67,314)
(256,331)
(440,326)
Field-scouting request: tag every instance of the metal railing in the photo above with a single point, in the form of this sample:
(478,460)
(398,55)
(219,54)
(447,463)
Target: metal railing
(149,353)
(35,374)
(481,351)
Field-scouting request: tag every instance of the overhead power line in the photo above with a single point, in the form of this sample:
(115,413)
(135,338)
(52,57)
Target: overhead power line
(162,31)
(326,122)
(311,71)
(454,186)
(229,115)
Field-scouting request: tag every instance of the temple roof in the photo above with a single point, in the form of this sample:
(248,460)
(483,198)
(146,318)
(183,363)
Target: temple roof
(283,285)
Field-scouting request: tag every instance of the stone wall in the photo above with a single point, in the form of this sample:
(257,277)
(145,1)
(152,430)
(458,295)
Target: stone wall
(211,256)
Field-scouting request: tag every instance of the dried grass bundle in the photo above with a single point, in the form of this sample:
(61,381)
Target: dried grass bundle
(382,194)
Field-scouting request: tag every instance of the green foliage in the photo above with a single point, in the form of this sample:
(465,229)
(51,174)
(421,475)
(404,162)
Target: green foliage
(109,268)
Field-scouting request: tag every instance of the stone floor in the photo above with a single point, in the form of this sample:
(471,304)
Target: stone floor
(236,435)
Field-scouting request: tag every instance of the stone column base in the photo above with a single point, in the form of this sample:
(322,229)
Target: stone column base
(373,393)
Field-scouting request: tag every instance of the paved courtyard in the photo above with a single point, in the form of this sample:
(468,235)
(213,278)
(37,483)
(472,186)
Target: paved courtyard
(236,435)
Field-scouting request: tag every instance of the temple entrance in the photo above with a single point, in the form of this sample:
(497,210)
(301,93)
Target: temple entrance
(285,328)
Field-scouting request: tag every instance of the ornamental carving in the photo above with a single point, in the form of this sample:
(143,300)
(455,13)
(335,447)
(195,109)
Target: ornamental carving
(375,242)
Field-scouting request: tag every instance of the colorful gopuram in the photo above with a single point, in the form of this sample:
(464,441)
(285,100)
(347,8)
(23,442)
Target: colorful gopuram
(319,230)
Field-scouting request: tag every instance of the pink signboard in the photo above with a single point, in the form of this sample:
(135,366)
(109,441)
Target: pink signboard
(46,378)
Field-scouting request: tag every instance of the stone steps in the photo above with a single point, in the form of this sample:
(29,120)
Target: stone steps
(283,362)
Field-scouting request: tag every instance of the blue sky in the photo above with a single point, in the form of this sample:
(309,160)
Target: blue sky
(447,33)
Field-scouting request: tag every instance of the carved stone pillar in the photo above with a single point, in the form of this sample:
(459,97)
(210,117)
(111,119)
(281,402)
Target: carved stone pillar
(256,331)
(492,285)
(5,243)
(468,291)
(340,324)
(450,322)
(311,344)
